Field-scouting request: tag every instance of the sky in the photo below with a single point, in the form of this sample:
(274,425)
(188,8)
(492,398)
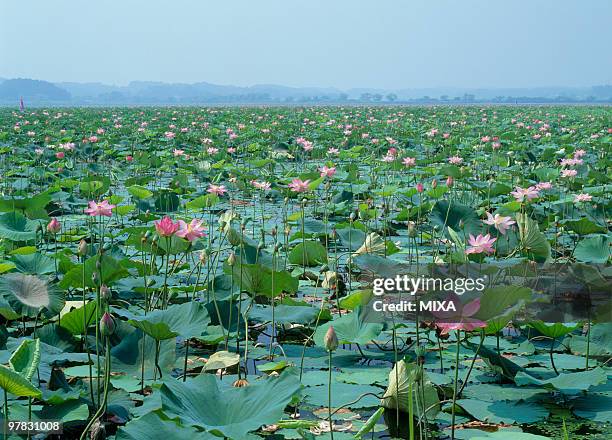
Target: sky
(323,43)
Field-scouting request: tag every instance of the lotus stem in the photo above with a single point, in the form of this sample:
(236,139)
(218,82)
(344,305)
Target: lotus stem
(456,382)
(102,407)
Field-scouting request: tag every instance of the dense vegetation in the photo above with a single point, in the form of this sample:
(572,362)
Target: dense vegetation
(192,272)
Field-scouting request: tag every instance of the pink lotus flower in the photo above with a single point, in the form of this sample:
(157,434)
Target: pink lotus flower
(480,244)
(129,158)
(582,198)
(169,135)
(501,223)
(299,186)
(579,153)
(521,194)
(217,189)
(571,162)
(264,186)
(212,150)
(177,152)
(409,161)
(543,186)
(455,160)
(485,139)
(419,187)
(568,173)
(231,150)
(449,181)
(100,208)
(54,226)
(93,139)
(327,171)
(190,231)
(333,150)
(459,319)
(166,227)
(388,158)
(60,155)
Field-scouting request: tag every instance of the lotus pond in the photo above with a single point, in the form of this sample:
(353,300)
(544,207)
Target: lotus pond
(208,272)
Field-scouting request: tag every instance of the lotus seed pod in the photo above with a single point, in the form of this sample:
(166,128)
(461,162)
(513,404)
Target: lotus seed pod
(233,237)
(352,217)
(240,383)
(107,325)
(330,340)
(231,260)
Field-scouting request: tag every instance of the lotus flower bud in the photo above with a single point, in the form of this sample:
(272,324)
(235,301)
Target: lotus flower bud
(434,183)
(231,260)
(82,248)
(105,293)
(420,188)
(352,217)
(412,232)
(273,232)
(107,325)
(95,278)
(330,340)
(277,246)
(54,226)
(203,256)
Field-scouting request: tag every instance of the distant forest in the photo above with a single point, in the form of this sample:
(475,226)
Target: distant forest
(37,92)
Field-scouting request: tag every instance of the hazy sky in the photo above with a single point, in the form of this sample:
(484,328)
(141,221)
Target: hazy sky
(339,43)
